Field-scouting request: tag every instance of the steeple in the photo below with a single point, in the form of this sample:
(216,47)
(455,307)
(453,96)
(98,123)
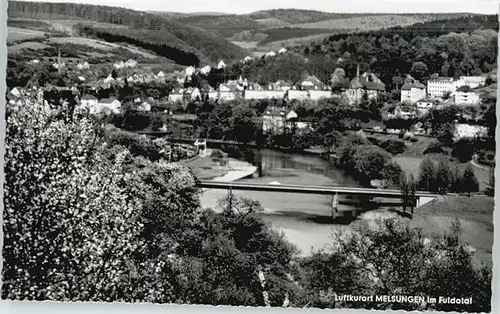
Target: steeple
(59,60)
(357,71)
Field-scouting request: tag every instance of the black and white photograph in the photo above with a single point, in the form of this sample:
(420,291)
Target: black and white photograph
(268,154)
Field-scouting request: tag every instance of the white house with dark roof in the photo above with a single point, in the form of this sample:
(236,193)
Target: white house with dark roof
(228,91)
(177,94)
(275,119)
(89,101)
(221,65)
(256,91)
(411,92)
(107,104)
(471,81)
(466,96)
(367,83)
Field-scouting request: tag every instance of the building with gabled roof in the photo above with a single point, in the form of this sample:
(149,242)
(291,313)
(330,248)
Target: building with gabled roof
(275,119)
(413,91)
(367,83)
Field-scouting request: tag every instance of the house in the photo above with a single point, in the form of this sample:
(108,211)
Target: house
(208,91)
(270,54)
(58,65)
(367,83)
(34,61)
(227,91)
(282,85)
(320,92)
(109,79)
(145,106)
(81,78)
(160,74)
(83,66)
(311,82)
(205,70)
(119,65)
(296,93)
(466,96)
(271,91)
(16,92)
(221,65)
(440,86)
(411,92)
(247,59)
(468,131)
(190,70)
(282,51)
(130,63)
(107,104)
(275,119)
(89,101)
(471,81)
(177,94)
(192,93)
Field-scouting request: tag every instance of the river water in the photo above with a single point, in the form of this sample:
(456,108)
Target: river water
(304,219)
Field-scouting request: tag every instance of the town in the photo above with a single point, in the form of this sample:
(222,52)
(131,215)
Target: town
(279,158)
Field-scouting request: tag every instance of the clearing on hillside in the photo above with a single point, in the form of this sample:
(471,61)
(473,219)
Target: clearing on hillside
(15,34)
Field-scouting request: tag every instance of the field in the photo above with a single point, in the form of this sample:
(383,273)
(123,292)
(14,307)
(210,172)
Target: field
(16,34)
(363,23)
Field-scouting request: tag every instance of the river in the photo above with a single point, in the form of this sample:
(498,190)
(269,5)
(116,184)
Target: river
(303,218)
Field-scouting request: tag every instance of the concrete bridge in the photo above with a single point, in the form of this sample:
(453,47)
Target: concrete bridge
(422,197)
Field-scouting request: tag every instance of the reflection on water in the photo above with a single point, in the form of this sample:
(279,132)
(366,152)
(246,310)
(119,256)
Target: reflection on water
(304,218)
(270,162)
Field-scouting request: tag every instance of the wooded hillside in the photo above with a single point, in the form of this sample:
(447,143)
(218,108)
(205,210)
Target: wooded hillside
(209,44)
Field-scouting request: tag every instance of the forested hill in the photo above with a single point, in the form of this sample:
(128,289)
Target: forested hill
(192,38)
(461,24)
(462,46)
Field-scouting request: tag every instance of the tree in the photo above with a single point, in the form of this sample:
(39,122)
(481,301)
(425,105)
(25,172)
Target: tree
(114,74)
(469,181)
(418,70)
(428,175)
(443,176)
(76,236)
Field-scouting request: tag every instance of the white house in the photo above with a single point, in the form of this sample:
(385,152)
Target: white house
(438,87)
(109,79)
(221,65)
(412,92)
(189,71)
(83,66)
(468,98)
(130,63)
(227,91)
(275,120)
(317,93)
(160,74)
(282,51)
(424,104)
(255,91)
(247,59)
(145,106)
(270,54)
(471,81)
(193,93)
(205,70)
(15,92)
(295,93)
(119,65)
(469,131)
(111,104)
(176,95)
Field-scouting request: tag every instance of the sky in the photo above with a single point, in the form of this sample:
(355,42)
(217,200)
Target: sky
(346,6)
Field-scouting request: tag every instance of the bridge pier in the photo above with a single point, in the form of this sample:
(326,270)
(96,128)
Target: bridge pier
(335,203)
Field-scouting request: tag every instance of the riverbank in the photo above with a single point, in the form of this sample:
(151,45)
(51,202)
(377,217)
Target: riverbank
(204,168)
